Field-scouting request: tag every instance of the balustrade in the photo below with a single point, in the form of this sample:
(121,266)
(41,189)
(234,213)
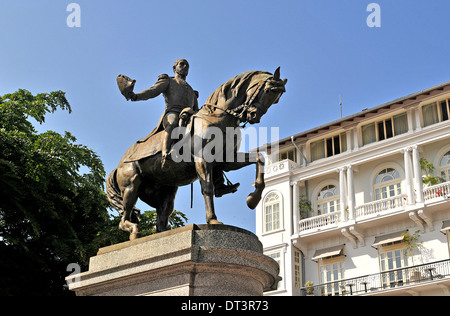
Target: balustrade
(319,221)
(382,281)
(375,208)
(381,206)
(441,190)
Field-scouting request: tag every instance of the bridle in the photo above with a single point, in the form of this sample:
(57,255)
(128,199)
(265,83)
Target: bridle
(240,111)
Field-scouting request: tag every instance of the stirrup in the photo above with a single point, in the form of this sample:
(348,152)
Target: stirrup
(226,189)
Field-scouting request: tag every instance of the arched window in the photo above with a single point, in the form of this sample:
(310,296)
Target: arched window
(272,212)
(444,166)
(328,200)
(387,184)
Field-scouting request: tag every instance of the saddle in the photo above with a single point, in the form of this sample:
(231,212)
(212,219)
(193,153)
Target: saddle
(152,144)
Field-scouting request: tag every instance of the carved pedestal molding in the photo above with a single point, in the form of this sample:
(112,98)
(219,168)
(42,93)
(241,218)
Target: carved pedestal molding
(195,260)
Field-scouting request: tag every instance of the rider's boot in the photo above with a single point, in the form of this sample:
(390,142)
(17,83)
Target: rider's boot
(165,150)
(226,189)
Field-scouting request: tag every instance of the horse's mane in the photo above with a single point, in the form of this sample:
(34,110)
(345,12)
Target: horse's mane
(236,87)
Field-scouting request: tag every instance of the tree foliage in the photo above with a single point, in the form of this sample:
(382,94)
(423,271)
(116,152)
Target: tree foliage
(53,208)
(50,212)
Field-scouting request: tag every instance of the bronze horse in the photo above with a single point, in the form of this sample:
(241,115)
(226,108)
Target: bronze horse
(243,99)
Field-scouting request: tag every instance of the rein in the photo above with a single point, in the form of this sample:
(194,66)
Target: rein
(239,111)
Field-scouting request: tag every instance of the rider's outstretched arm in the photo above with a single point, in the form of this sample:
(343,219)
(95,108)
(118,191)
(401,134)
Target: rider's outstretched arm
(159,87)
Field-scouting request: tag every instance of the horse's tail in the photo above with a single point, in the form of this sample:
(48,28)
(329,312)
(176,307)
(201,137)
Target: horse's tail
(113,192)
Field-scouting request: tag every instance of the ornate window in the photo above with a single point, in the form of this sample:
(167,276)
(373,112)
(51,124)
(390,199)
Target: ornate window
(444,166)
(387,184)
(272,219)
(328,200)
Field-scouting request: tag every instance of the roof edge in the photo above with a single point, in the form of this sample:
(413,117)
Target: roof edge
(350,117)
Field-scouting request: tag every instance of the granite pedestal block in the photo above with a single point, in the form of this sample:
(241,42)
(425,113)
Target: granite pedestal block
(195,260)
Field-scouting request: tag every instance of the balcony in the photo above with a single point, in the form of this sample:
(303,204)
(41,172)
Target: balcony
(322,221)
(280,168)
(379,207)
(387,207)
(437,192)
(396,282)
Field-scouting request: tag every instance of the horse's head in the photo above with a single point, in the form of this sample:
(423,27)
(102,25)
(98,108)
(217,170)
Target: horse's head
(262,94)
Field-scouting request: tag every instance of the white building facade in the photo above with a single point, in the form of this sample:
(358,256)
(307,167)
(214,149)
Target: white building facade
(361,206)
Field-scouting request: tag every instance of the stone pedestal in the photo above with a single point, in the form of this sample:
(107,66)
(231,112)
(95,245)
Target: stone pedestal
(195,260)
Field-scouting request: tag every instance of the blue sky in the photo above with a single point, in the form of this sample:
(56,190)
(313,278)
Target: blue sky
(324,47)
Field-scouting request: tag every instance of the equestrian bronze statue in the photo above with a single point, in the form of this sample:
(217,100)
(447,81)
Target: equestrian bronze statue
(178,151)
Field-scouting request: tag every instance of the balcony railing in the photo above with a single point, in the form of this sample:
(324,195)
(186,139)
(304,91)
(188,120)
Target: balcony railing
(441,190)
(381,206)
(392,279)
(320,221)
(366,210)
(436,193)
(280,167)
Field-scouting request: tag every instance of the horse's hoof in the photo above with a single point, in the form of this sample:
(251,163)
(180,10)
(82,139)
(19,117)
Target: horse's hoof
(214,222)
(133,236)
(134,232)
(160,230)
(122,225)
(253,199)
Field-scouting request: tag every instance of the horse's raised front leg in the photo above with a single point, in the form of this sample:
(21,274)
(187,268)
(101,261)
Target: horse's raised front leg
(254,198)
(258,159)
(205,176)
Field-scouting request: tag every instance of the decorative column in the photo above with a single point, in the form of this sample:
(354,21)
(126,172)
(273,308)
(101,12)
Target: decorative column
(355,139)
(418,119)
(349,140)
(409,116)
(343,192)
(295,209)
(408,173)
(351,193)
(418,184)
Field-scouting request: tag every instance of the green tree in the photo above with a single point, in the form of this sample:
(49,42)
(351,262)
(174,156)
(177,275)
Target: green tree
(50,212)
